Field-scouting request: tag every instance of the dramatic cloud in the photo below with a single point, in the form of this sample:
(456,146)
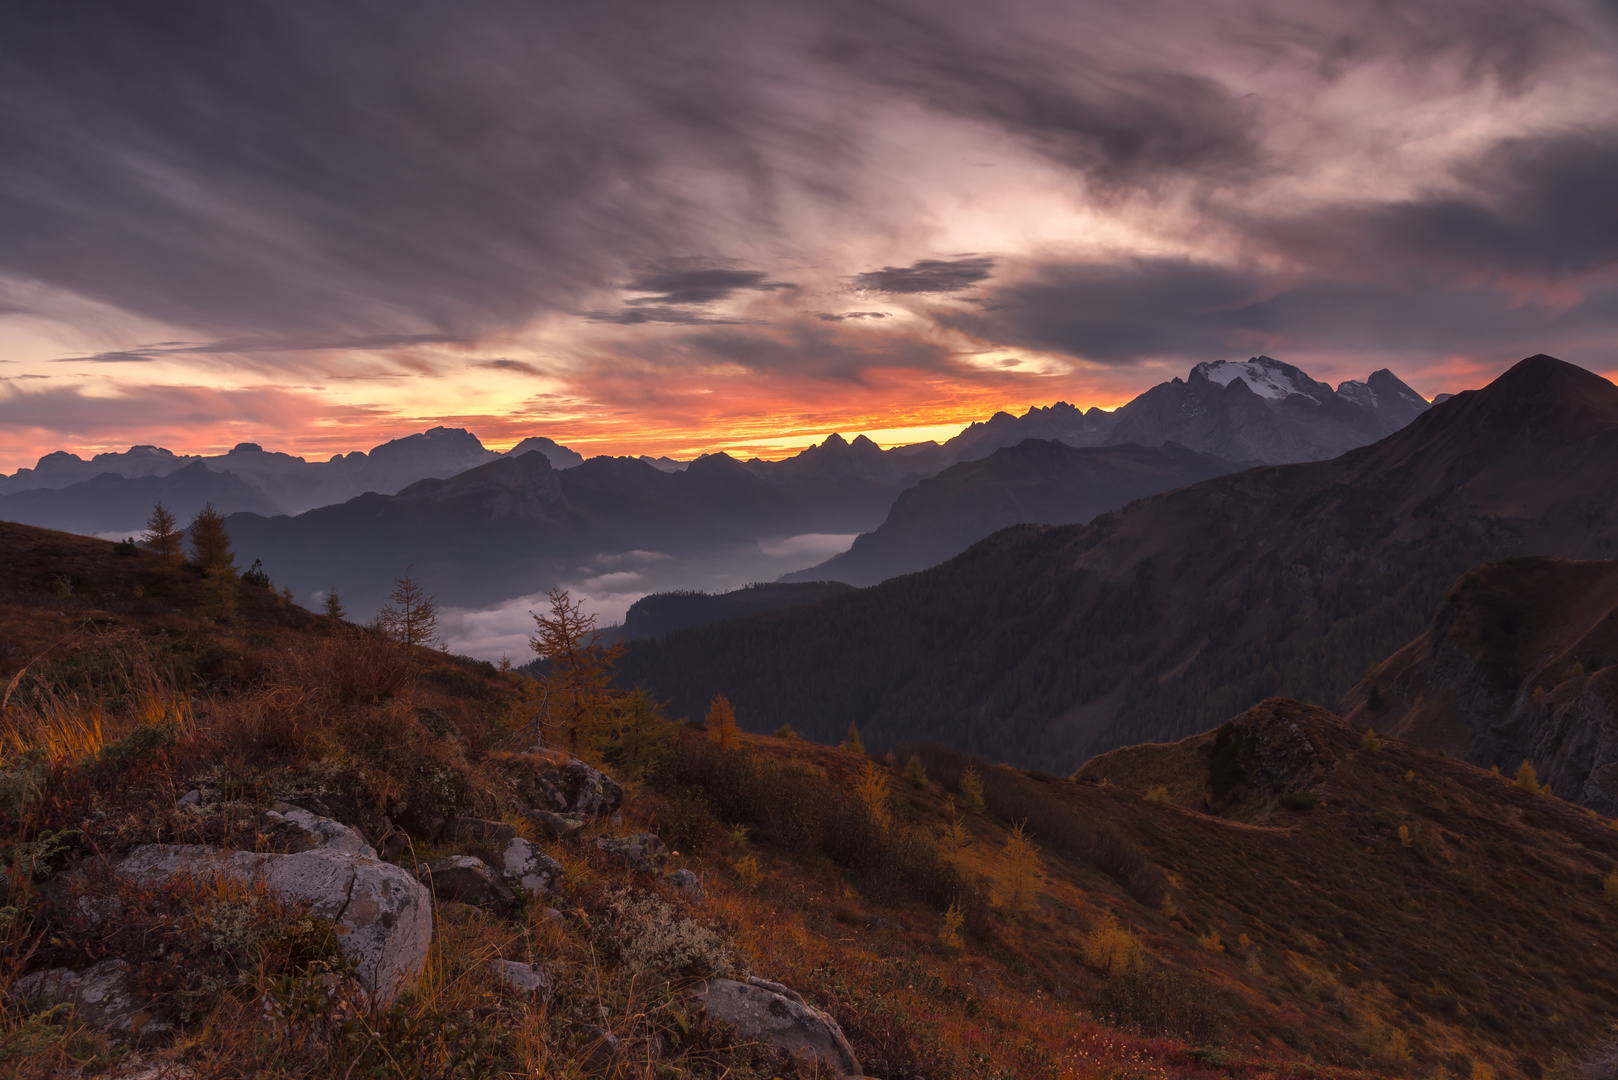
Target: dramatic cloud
(642,209)
(928,276)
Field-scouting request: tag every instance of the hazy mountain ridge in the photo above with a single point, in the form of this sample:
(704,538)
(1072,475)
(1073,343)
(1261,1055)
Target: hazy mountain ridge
(1037,481)
(1045,644)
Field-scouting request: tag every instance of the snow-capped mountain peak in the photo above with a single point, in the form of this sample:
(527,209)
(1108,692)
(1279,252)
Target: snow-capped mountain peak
(1264,375)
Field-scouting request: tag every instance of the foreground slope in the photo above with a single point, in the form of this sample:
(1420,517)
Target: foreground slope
(1045,645)
(1520,663)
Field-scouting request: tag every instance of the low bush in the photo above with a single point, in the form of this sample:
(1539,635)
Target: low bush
(1013,797)
(807,815)
(1300,800)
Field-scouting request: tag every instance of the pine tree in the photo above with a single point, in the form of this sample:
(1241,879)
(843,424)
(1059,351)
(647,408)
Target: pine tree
(333,606)
(163,534)
(412,615)
(721,723)
(851,741)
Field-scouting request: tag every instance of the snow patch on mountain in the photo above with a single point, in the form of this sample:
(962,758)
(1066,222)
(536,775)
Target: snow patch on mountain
(1266,377)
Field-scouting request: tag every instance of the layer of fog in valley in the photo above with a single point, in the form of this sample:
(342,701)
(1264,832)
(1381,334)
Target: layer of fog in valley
(608,584)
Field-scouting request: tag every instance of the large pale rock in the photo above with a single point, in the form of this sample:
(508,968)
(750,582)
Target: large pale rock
(528,868)
(768,1012)
(100,995)
(383,916)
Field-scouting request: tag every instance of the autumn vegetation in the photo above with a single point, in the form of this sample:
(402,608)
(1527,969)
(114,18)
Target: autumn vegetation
(960,918)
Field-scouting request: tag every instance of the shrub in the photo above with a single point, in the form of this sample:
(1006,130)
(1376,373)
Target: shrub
(1404,836)
(748,871)
(653,936)
(915,772)
(785,732)
(1111,949)
(1158,796)
(1013,797)
(950,934)
(1609,889)
(1300,800)
(1211,942)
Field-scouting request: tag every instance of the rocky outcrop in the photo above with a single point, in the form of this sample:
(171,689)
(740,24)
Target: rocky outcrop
(687,884)
(308,831)
(529,869)
(383,916)
(546,781)
(642,851)
(100,996)
(1520,662)
(768,1012)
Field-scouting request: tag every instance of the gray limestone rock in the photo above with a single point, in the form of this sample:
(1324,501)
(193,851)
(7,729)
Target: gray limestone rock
(100,995)
(528,868)
(770,1013)
(383,915)
(523,978)
(468,880)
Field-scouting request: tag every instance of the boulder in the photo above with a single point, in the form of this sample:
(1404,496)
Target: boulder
(383,916)
(310,832)
(468,880)
(546,781)
(768,1012)
(523,978)
(642,851)
(99,994)
(687,884)
(528,868)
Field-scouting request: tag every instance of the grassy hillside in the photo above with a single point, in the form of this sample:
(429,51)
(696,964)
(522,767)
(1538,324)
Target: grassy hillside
(1163,915)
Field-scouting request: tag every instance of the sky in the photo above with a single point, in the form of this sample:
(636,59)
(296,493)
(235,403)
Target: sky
(642,227)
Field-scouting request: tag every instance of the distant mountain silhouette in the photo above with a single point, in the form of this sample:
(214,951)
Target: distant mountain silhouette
(90,505)
(1038,480)
(1519,664)
(1045,644)
(509,527)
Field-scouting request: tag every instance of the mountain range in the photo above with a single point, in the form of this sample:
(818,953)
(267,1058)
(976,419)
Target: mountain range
(1260,410)
(1047,644)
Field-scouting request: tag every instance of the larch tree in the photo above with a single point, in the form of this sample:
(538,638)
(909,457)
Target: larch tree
(210,551)
(333,606)
(162,536)
(851,741)
(411,615)
(721,723)
(577,698)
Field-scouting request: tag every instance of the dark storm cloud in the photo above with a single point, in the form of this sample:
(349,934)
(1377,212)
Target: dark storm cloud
(503,364)
(801,348)
(697,284)
(928,276)
(1539,206)
(662,313)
